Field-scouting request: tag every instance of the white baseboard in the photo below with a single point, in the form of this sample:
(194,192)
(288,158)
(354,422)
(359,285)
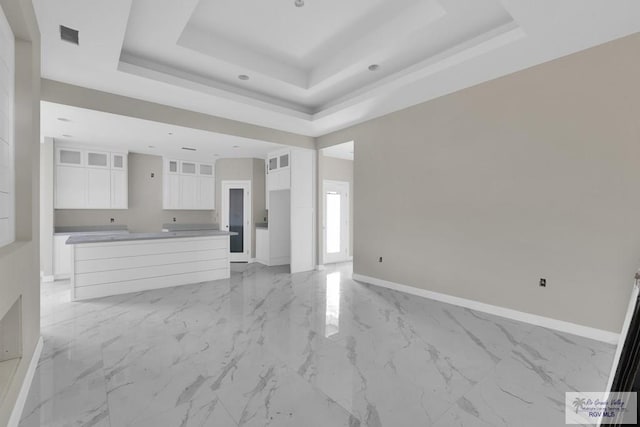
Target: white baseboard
(47,279)
(534,319)
(16,414)
(320,267)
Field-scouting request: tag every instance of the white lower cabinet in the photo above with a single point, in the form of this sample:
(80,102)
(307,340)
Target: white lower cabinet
(61,257)
(262,245)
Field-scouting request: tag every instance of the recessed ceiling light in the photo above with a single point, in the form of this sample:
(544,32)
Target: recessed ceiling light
(66,135)
(299,3)
(374,67)
(243,77)
(63,119)
(236,146)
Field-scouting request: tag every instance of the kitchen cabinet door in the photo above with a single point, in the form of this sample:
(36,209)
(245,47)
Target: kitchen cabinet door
(119,190)
(98,188)
(71,187)
(189,192)
(207,188)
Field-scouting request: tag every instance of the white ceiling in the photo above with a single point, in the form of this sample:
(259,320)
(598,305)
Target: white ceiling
(308,66)
(98,129)
(340,151)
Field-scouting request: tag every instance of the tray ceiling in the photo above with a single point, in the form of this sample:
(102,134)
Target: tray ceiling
(308,67)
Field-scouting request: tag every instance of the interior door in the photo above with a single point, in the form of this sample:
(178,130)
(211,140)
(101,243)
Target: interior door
(336,221)
(236,217)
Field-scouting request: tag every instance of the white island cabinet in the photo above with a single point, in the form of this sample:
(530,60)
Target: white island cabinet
(133,262)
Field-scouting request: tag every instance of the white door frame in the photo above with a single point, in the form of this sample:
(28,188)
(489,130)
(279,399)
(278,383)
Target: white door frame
(248,219)
(343,188)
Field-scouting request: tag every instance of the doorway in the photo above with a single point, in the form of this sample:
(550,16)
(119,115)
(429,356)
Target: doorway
(336,221)
(236,217)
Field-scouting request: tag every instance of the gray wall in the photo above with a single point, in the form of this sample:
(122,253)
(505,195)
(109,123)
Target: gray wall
(145,211)
(480,193)
(334,169)
(19,263)
(244,170)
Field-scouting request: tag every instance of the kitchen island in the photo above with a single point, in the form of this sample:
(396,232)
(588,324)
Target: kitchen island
(104,265)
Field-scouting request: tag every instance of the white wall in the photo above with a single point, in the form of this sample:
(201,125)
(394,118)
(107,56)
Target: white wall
(480,193)
(19,265)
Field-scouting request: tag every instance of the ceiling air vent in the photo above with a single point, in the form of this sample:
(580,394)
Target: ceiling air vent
(69,34)
(188,148)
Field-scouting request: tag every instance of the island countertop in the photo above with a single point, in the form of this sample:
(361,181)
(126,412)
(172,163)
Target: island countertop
(127,237)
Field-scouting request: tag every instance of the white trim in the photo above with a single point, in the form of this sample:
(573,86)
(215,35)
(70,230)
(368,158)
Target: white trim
(16,414)
(344,189)
(47,279)
(534,319)
(320,267)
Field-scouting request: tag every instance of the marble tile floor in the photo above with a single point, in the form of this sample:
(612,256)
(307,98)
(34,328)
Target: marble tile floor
(266,348)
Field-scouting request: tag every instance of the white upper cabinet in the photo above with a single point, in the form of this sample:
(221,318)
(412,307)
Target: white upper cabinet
(119,189)
(188,185)
(71,187)
(98,159)
(98,188)
(278,171)
(90,179)
(69,157)
(119,161)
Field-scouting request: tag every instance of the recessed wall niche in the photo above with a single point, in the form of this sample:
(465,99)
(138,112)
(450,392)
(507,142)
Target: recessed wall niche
(10,345)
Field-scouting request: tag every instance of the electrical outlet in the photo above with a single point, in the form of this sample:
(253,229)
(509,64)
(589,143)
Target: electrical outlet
(112,220)
(153,175)
(543,283)
(380,259)
(174,219)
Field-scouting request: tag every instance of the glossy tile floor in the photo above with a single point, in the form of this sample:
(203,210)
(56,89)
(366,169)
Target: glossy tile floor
(315,349)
